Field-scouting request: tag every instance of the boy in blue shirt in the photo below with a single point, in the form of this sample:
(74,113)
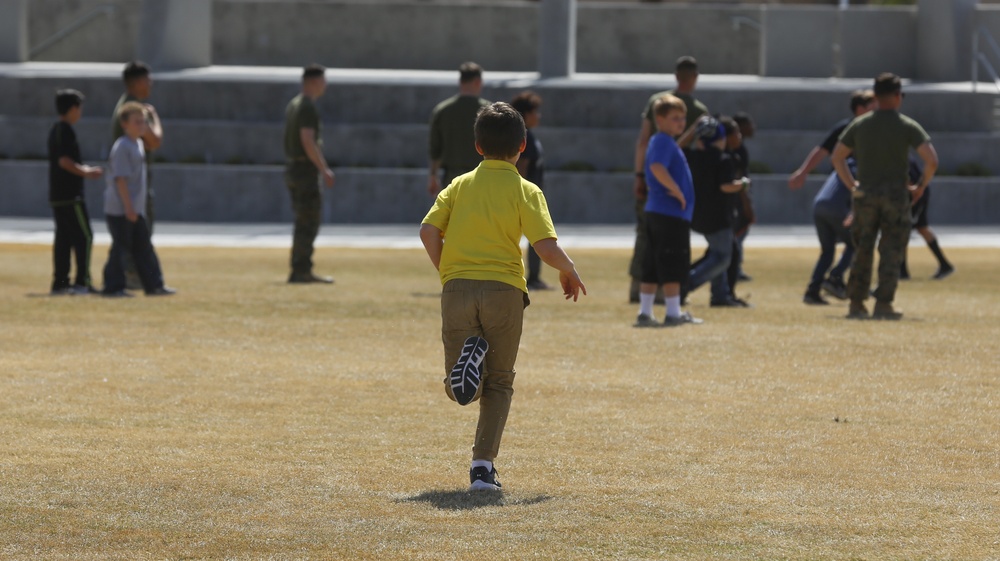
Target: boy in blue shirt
(669,208)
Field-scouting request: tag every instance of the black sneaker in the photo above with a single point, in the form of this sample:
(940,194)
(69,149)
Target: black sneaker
(468,371)
(481,479)
(162,291)
(814,299)
(117,294)
(730,302)
(943,272)
(836,288)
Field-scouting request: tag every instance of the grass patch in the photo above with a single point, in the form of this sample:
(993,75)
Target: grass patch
(246,418)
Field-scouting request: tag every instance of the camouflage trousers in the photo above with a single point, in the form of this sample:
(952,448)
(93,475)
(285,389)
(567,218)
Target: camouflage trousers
(307,204)
(885,219)
(641,241)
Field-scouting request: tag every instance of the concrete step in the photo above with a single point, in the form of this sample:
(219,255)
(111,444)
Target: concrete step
(214,193)
(376,145)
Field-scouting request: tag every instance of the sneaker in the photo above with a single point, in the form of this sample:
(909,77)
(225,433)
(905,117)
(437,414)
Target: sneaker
(836,288)
(305,278)
(117,294)
(644,320)
(62,291)
(537,284)
(884,310)
(685,317)
(481,479)
(730,302)
(468,371)
(814,299)
(82,290)
(162,291)
(857,310)
(943,272)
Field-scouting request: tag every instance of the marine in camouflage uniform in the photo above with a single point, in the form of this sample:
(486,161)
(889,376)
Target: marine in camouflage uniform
(304,164)
(881,195)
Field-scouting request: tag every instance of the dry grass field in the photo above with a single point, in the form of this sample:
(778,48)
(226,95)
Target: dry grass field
(248,419)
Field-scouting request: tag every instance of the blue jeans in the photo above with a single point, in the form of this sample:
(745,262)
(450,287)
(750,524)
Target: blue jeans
(713,266)
(831,231)
(131,239)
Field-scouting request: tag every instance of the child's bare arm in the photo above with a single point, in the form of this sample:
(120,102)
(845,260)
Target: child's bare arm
(433,243)
(554,256)
(664,177)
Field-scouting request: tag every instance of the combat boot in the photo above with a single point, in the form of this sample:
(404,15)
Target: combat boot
(883,310)
(857,310)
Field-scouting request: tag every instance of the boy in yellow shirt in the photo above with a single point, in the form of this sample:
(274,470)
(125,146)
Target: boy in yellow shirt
(472,235)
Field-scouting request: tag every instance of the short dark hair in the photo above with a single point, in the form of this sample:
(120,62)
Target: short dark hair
(135,69)
(499,130)
(686,65)
(860,98)
(469,71)
(728,124)
(887,83)
(742,117)
(67,99)
(313,71)
(526,102)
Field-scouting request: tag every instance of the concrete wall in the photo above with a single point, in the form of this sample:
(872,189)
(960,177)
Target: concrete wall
(105,38)
(196,193)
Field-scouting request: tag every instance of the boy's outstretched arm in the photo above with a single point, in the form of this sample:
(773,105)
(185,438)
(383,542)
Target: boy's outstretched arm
(433,243)
(554,256)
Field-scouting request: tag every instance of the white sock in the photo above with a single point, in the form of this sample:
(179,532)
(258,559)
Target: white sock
(483,463)
(646,303)
(673,306)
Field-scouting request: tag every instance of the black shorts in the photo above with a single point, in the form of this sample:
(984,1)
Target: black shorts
(669,257)
(918,212)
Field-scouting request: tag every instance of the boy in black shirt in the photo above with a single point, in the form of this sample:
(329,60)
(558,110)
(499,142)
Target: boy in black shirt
(66,175)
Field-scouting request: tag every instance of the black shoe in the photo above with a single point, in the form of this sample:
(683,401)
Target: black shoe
(117,294)
(836,288)
(468,371)
(61,291)
(162,291)
(538,284)
(481,479)
(305,278)
(943,272)
(814,299)
(84,290)
(730,302)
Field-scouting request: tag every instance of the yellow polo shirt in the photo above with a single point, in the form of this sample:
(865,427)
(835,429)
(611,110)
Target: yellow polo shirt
(483,215)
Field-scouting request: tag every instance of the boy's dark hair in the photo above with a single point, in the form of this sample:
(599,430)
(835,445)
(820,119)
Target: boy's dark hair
(686,66)
(526,102)
(469,71)
(728,124)
(67,99)
(887,83)
(742,117)
(499,131)
(860,98)
(313,71)
(135,69)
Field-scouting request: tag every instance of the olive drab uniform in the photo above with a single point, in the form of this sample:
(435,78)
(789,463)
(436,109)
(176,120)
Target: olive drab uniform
(881,142)
(302,179)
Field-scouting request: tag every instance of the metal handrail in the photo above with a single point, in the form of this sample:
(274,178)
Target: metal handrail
(105,9)
(980,58)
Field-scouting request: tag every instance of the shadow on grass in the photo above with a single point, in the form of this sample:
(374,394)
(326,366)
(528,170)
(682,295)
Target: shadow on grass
(468,500)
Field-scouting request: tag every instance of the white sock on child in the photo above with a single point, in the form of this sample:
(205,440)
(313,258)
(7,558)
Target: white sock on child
(483,463)
(673,306)
(646,303)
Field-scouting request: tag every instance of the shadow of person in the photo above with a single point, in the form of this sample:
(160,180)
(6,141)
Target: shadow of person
(469,500)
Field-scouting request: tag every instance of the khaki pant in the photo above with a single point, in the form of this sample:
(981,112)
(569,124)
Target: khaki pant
(494,311)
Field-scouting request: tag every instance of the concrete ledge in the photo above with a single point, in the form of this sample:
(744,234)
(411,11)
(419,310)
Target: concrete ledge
(205,193)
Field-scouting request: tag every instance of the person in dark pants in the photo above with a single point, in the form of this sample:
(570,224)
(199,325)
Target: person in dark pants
(452,143)
(531,166)
(304,164)
(66,174)
(124,208)
(882,193)
(831,209)
(921,224)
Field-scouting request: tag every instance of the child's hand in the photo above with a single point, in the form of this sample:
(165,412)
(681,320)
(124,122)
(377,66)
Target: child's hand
(131,215)
(571,284)
(683,201)
(92,172)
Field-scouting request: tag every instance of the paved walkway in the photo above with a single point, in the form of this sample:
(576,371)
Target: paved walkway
(404,236)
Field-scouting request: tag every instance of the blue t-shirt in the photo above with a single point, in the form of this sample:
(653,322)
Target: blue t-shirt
(663,150)
(834,198)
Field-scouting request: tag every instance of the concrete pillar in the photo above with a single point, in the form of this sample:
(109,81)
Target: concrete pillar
(944,39)
(557,38)
(13,30)
(175,33)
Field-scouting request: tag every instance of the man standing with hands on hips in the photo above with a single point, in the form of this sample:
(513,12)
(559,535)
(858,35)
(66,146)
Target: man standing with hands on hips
(882,194)
(304,164)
